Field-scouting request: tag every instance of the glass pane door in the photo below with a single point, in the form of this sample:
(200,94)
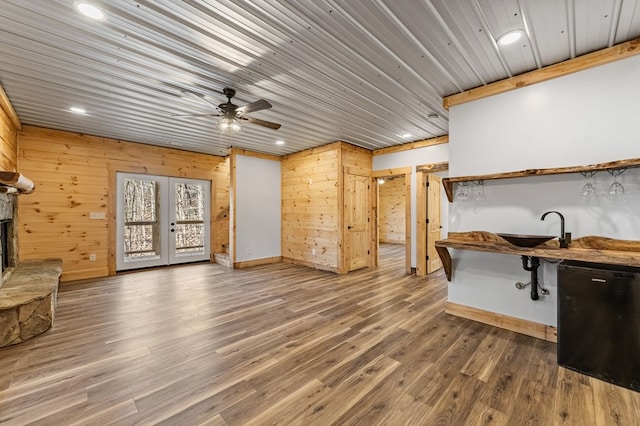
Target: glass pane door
(189,233)
(161,221)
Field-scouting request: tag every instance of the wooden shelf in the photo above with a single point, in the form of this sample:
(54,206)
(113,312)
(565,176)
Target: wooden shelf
(621,164)
(588,249)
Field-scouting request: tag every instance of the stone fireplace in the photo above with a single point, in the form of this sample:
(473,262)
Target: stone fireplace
(28,289)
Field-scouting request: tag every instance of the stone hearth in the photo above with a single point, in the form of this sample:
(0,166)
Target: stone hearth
(28,300)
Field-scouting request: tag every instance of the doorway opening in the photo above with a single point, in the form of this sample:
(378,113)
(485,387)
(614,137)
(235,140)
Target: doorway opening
(161,221)
(394,215)
(431,214)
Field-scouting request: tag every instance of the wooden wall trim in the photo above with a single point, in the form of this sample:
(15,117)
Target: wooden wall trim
(342,227)
(313,265)
(407,222)
(6,106)
(590,60)
(317,150)
(433,167)
(238,151)
(354,148)
(232,209)
(421,226)
(412,145)
(522,326)
(257,262)
(391,172)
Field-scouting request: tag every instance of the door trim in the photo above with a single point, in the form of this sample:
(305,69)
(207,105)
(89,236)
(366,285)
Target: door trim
(400,171)
(421,212)
(162,258)
(174,257)
(345,257)
(167,256)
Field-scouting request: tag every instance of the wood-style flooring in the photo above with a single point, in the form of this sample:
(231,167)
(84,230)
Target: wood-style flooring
(286,344)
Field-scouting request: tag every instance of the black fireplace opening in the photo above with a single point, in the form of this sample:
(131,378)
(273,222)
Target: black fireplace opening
(5,243)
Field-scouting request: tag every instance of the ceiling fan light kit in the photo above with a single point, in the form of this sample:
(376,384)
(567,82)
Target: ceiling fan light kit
(229,125)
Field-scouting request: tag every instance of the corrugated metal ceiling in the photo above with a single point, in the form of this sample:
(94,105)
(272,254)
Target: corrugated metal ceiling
(363,71)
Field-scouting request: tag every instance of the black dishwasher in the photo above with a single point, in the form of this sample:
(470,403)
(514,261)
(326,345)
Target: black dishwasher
(599,321)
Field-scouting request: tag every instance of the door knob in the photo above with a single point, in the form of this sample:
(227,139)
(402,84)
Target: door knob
(349,227)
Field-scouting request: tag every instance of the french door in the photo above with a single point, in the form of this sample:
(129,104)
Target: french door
(161,221)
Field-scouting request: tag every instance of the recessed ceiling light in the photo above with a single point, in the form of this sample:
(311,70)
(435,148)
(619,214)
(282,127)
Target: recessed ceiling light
(279,142)
(90,10)
(78,110)
(404,135)
(510,37)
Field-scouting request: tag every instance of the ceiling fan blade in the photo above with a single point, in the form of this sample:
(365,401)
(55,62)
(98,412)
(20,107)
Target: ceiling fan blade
(274,126)
(253,106)
(197,97)
(195,115)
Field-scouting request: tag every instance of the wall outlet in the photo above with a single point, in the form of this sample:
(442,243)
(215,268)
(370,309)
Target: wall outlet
(248,251)
(97,215)
(92,257)
(313,252)
(310,181)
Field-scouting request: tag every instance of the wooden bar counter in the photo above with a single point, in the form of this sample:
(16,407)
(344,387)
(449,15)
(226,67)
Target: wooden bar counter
(588,249)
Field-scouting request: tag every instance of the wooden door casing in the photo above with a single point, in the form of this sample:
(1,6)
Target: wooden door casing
(434,221)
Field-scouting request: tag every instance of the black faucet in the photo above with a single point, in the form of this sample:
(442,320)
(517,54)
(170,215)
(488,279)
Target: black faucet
(565,237)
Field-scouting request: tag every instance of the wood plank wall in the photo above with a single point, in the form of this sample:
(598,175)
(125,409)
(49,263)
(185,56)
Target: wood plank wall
(311,203)
(75,175)
(310,207)
(391,208)
(8,143)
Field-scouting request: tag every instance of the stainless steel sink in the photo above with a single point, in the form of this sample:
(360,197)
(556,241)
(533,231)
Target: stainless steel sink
(522,240)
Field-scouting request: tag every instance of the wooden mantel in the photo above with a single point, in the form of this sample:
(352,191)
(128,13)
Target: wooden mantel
(612,165)
(11,182)
(588,249)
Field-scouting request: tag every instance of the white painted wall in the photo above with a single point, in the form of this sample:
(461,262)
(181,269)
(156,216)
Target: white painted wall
(258,208)
(412,158)
(583,118)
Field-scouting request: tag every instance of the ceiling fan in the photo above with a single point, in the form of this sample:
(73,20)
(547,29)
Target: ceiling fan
(231,115)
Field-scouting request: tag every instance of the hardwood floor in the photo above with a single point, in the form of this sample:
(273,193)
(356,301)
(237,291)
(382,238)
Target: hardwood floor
(285,344)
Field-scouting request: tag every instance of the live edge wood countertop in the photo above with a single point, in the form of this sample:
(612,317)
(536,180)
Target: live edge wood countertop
(588,249)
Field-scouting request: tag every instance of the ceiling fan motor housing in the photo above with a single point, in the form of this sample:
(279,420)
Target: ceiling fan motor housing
(228,109)
(229,92)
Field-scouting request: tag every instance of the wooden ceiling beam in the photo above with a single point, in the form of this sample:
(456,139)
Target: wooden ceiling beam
(6,106)
(590,60)
(412,145)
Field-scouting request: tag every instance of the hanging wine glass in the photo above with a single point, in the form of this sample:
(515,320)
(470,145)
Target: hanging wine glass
(481,197)
(616,190)
(463,191)
(589,189)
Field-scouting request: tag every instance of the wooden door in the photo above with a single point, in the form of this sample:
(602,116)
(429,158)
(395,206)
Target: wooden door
(356,216)
(434,222)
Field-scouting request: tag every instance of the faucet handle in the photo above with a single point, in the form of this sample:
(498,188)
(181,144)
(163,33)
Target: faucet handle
(566,240)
